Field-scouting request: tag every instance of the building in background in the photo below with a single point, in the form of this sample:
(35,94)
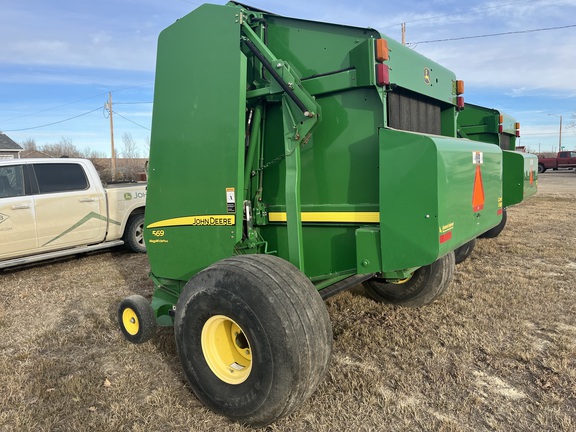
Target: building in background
(8,148)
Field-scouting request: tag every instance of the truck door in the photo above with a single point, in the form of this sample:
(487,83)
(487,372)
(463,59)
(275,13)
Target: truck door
(563,159)
(69,210)
(17,223)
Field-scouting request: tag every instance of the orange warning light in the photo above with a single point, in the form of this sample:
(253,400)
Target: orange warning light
(459,87)
(478,192)
(382,50)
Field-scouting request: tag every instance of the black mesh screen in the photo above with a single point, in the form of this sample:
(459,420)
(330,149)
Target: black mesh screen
(409,113)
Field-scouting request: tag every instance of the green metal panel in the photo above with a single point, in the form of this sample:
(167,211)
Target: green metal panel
(412,71)
(427,186)
(313,47)
(340,162)
(197,144)
(329,249)
(481,124)
(368,250)
(520,177)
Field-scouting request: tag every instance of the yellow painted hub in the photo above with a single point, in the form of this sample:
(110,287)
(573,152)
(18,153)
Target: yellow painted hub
(226,349)
(130,321)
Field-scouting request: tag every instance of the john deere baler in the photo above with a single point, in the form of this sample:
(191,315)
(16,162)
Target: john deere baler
(290,160)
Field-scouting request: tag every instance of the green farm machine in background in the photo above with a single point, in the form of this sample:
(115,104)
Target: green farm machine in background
(493,126)
(291,160)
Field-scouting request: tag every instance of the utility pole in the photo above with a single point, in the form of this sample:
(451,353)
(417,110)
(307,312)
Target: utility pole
(403,33)
(108,106)
(560,136)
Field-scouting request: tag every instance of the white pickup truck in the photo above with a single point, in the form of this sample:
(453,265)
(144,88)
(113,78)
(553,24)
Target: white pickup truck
(56,207)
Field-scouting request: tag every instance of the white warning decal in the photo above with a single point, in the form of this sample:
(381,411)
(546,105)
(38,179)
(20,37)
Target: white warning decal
(230,200)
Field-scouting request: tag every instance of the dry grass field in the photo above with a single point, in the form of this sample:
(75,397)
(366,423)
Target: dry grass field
(496,353)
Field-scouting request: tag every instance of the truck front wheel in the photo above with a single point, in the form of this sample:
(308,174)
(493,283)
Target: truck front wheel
(424,286)
(134,233)
(253,336)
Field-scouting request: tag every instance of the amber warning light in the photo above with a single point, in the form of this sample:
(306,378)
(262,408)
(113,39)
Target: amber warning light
(382,70)
(459,87)
(382,50)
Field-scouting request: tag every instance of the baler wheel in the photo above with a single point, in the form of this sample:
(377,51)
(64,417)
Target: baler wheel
(424,286)
(253,336)
(495,232)
(136,318)
(464,251)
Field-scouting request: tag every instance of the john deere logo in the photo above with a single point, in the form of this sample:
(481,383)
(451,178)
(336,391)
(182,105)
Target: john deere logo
(3,217)
(427,76)
(127,196)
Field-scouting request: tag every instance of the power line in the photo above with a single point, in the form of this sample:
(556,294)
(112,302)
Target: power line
(53,108)
(131,121)
(463,12)
(132,103)
(82,100)
(55,123)
(541,133)
(494,34)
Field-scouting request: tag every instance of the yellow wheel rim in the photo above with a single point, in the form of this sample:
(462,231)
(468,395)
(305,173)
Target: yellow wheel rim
(130,321)
(226,349)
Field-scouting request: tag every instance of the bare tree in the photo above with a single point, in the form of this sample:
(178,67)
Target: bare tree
(93,154)
(129,148)
(29,144)
(63,148)
(128,166)
(147,145)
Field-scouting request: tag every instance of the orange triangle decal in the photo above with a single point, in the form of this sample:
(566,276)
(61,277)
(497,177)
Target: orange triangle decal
(531,177)
(478,193)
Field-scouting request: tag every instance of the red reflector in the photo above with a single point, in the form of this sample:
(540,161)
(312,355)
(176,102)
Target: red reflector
(500,128)
(517,133)
(445,237)
(499,212)
(382,75)
(460,102)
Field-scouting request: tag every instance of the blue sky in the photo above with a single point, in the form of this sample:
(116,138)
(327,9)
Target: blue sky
(59,60)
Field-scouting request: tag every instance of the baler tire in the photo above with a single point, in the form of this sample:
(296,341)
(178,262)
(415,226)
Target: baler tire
(495,232)
(274,323)
(134,233)
(136,319)
(464,251)
(425,285)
